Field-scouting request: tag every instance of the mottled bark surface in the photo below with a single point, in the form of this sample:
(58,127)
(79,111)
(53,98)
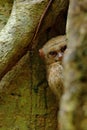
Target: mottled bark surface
(5,10)
(26,102)
(73,110)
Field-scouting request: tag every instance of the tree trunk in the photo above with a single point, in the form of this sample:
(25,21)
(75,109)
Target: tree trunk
(73,109)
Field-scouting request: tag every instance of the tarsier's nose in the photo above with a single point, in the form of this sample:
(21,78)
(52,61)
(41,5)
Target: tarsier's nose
(41,53)
(60,56)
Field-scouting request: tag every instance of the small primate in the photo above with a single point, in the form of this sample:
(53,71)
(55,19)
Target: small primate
(52,53)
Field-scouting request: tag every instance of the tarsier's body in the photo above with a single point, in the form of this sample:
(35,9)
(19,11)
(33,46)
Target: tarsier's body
(53,52)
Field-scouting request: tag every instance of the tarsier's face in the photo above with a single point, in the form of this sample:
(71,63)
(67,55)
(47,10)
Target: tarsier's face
(54,49)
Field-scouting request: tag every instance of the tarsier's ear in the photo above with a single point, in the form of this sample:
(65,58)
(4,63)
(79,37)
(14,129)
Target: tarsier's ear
(41,53)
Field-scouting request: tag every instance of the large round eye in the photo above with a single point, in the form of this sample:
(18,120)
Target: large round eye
(63,48)
(53,53)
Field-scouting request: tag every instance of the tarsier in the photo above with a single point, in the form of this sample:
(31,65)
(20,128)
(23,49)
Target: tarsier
(52,53)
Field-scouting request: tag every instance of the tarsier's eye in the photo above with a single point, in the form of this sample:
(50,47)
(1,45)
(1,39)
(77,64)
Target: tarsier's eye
(53,53)
(63,48)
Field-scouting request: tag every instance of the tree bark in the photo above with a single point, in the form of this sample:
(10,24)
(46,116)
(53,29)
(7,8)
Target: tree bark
(18,32)
(73,107)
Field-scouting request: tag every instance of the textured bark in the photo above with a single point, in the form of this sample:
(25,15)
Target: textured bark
(26,102)
(73,110)
(5,10)
(19,29)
